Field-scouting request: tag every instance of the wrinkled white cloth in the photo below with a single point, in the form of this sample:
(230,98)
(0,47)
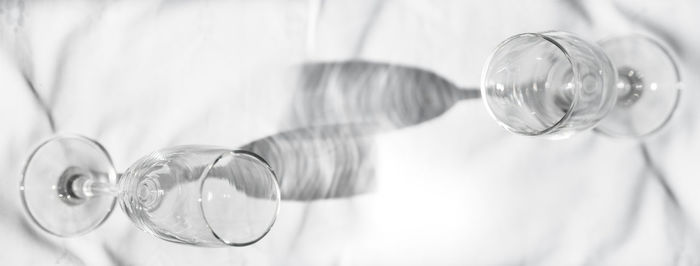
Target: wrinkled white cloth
(142,75)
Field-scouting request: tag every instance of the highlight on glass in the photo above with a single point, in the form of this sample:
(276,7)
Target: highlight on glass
(197,195)
(555,84)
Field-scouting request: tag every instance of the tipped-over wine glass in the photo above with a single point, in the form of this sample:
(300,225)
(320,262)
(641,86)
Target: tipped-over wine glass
(555,84)
(197,195)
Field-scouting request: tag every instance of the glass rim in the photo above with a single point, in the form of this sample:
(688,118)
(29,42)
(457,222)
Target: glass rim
(204,177)
(574,69)
(112,175)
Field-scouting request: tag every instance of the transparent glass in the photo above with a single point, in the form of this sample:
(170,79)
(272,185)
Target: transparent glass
(555,84)
(197,195)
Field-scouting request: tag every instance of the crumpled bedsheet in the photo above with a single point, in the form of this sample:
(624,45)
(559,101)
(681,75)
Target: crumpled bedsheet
(455,189)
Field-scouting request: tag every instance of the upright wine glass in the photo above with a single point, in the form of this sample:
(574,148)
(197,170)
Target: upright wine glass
(197,195)
(555,84)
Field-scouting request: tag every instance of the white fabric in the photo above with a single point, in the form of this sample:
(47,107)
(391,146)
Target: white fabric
(142,75)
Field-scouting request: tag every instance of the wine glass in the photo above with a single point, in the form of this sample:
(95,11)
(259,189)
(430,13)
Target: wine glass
(555,84)
(197,195)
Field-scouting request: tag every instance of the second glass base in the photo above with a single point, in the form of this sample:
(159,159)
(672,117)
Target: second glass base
(648,86)
(52,177)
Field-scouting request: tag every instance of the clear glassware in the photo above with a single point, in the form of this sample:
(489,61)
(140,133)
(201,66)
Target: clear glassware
(555,84)
(197,195)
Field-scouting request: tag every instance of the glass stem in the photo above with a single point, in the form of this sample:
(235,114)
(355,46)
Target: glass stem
(630,86)
(77,186)
(93,188)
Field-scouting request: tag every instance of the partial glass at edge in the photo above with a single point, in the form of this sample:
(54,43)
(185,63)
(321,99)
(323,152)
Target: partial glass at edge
(197,195)
(555,84)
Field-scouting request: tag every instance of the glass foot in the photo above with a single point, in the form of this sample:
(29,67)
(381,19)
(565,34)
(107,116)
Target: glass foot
(53,180)
(648,86)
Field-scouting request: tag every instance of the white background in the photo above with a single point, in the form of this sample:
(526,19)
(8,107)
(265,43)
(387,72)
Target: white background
(142,75)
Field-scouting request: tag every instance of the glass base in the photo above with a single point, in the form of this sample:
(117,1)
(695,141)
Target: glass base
(53,182)
(648,86)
